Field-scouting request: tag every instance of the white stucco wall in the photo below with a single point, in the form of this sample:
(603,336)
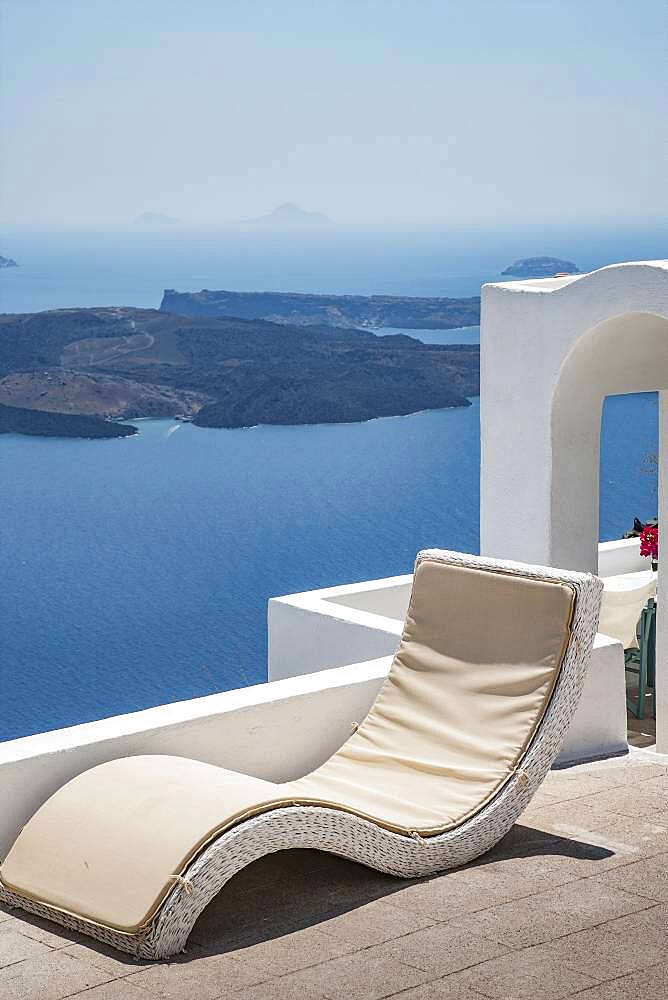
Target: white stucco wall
(550,352)
(598,728)
(621,556)
(326,628)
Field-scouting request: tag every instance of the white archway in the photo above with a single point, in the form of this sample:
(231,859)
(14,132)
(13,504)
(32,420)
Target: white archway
(551,350)
(627,353)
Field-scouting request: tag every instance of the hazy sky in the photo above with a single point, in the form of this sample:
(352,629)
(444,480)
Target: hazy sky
(492,111)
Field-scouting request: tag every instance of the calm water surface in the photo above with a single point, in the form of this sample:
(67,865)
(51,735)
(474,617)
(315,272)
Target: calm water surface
(137,571)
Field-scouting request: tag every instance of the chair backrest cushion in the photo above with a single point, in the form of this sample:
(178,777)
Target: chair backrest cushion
(477,664)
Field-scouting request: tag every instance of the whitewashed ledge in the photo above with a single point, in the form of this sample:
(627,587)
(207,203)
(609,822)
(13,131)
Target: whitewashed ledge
(276,731)
(329,652)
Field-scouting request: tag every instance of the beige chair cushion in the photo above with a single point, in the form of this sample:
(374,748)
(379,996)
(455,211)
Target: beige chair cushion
(473,675)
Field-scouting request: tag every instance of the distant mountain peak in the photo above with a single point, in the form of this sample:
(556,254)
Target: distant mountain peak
(155,219)
(289,214)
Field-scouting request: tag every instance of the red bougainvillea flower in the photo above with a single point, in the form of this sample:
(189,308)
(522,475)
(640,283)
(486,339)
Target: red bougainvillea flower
(649,541)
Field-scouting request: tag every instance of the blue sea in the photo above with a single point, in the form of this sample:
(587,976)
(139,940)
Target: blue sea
(137,571)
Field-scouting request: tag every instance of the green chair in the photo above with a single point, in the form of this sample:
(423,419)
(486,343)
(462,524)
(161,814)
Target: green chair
(641,662)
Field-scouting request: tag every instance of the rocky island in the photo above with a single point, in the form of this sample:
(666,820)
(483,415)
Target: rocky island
(43,423)
(352,311)
(76,372)
(540,267)
(7,262)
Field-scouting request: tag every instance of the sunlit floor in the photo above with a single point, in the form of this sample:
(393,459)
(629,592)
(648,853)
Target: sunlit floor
(641,732)
(572,903)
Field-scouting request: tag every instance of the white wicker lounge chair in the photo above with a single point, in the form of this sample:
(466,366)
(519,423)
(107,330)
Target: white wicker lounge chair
(478,700)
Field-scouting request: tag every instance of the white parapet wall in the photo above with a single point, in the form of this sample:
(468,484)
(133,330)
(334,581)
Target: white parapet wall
(621,556)
(599,726)
(334,626)
(275,731)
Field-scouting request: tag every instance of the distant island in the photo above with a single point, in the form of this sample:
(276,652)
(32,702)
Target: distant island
(7,262)
(76,372)
(290,214)
(540,267)
(155,219)
(43,423)
(351,311)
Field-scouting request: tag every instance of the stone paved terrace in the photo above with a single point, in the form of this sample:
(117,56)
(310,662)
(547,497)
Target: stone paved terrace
(573,903)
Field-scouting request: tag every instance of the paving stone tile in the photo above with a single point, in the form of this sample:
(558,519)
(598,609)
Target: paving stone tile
(642,835)
(116,963)
(530,974)
(643,878)
(629,769)
(522,837)
(15,948)
(441,989)
(573,783)
(497,878)
(639,798)
(444,948)
(289,953)
(365,975)
(553,914)
(116,990)
(374,922)
(595,775)
(296,986)
(573,855)
(245,912)
(192,975)
(49,976)
(650,984)
(42,930)
(233,920)
(605,953)
(526,874)
(647,926)
(453,894)
(574,814)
